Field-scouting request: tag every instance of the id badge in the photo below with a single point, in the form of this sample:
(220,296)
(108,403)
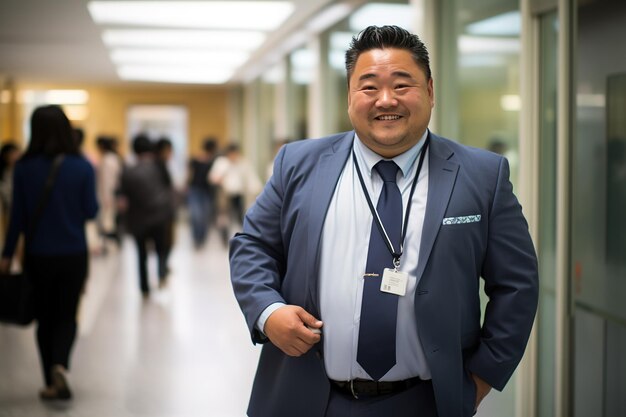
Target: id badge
(394,282)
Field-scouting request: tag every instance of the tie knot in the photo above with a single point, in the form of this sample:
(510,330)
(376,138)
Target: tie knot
(387,170)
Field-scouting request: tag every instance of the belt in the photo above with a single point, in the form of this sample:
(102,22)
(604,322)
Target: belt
(366,388)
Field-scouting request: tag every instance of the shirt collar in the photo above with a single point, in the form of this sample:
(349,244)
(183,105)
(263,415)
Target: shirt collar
(405,160)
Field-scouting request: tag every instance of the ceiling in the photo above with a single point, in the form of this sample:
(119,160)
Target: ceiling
(56,41)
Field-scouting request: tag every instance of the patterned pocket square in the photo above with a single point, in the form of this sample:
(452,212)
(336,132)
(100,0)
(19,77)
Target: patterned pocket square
(462,219)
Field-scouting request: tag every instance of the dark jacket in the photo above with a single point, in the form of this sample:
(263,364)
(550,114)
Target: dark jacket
(150,199)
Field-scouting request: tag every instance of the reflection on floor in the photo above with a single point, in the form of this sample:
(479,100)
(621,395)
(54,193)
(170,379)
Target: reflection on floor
(184,352)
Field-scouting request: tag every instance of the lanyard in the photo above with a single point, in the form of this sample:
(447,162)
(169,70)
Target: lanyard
(379,223)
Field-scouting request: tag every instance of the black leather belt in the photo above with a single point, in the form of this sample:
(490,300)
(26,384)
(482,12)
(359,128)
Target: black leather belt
(365,388)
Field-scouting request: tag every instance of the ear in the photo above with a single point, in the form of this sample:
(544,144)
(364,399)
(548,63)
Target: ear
(431,93)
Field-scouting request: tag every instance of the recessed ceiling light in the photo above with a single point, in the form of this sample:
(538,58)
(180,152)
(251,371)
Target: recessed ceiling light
(247,15)
(184,38)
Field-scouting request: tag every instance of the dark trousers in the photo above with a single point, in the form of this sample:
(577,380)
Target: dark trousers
(58,282)
(237,207)
(156,234)
(199,203)
(417,401)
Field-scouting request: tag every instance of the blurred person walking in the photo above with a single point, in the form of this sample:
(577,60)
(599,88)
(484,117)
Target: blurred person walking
(149,206)
(56,249)
(238,182)
(108,176)
(164,152)
(9,154)
(201,193)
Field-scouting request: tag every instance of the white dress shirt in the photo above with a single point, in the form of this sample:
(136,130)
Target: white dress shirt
(345,242)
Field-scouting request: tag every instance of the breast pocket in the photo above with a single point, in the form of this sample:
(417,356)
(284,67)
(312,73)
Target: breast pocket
(463,235)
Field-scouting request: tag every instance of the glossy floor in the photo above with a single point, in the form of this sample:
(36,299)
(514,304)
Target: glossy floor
(184,352)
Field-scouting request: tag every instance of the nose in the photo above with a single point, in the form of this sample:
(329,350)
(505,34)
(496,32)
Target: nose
(386,98)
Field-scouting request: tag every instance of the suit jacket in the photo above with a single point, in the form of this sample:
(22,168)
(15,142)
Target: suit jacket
(150,197)
(276,259)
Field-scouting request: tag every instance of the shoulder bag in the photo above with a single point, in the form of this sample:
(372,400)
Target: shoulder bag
(17,303)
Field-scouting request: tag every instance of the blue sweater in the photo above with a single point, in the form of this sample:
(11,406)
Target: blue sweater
(61,227)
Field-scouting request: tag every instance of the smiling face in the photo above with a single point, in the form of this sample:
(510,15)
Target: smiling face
(389,101)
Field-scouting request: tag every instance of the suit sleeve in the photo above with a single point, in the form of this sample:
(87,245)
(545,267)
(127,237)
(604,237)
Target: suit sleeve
(257,255)
(511,283)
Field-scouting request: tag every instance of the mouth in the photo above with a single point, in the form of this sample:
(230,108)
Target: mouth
(388,117)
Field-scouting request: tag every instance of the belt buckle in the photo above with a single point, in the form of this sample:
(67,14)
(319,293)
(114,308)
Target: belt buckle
(356,397)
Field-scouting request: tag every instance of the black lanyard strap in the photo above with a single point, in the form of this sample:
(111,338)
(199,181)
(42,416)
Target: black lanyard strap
(379,224)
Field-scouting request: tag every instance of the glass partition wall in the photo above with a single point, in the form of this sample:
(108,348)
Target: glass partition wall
(598,245)
(477,97)
(477,87)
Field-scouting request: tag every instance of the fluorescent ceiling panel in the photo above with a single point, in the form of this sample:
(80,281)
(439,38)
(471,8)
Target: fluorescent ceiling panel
(328,17)
(591,100)
(339,44)
(477,44)
(67,96)
(381,14)
(506,24)
(337,60)
(340,41)
(274,75)
(302,76)
(482,60)
(511,102)
(227,59)
(174,74)
(303,59)
(55,96)
(173,38)
(303,63)
(246,15)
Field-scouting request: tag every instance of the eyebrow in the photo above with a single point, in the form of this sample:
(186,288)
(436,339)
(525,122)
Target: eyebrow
(402,74)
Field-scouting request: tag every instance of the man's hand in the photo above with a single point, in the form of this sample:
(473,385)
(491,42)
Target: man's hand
(482,389)
(287,329)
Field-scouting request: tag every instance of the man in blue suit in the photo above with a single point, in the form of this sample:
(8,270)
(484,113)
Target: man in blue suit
(361,277)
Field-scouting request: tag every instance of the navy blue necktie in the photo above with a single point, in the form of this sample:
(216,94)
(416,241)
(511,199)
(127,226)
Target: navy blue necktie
(376,351)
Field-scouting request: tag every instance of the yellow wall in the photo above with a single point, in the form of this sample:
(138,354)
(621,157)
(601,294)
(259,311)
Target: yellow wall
(207,110)
(7,110)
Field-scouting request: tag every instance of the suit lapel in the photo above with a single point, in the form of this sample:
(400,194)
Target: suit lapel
(327,172)
(441,178)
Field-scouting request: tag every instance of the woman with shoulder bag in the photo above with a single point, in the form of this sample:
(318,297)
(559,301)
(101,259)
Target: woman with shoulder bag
(56,254)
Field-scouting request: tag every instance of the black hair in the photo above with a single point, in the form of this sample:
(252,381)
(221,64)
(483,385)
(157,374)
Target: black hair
(50,133)
(106,143)
(210,144)
(380,37)
(5,151)
(163,143)
(142,144)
